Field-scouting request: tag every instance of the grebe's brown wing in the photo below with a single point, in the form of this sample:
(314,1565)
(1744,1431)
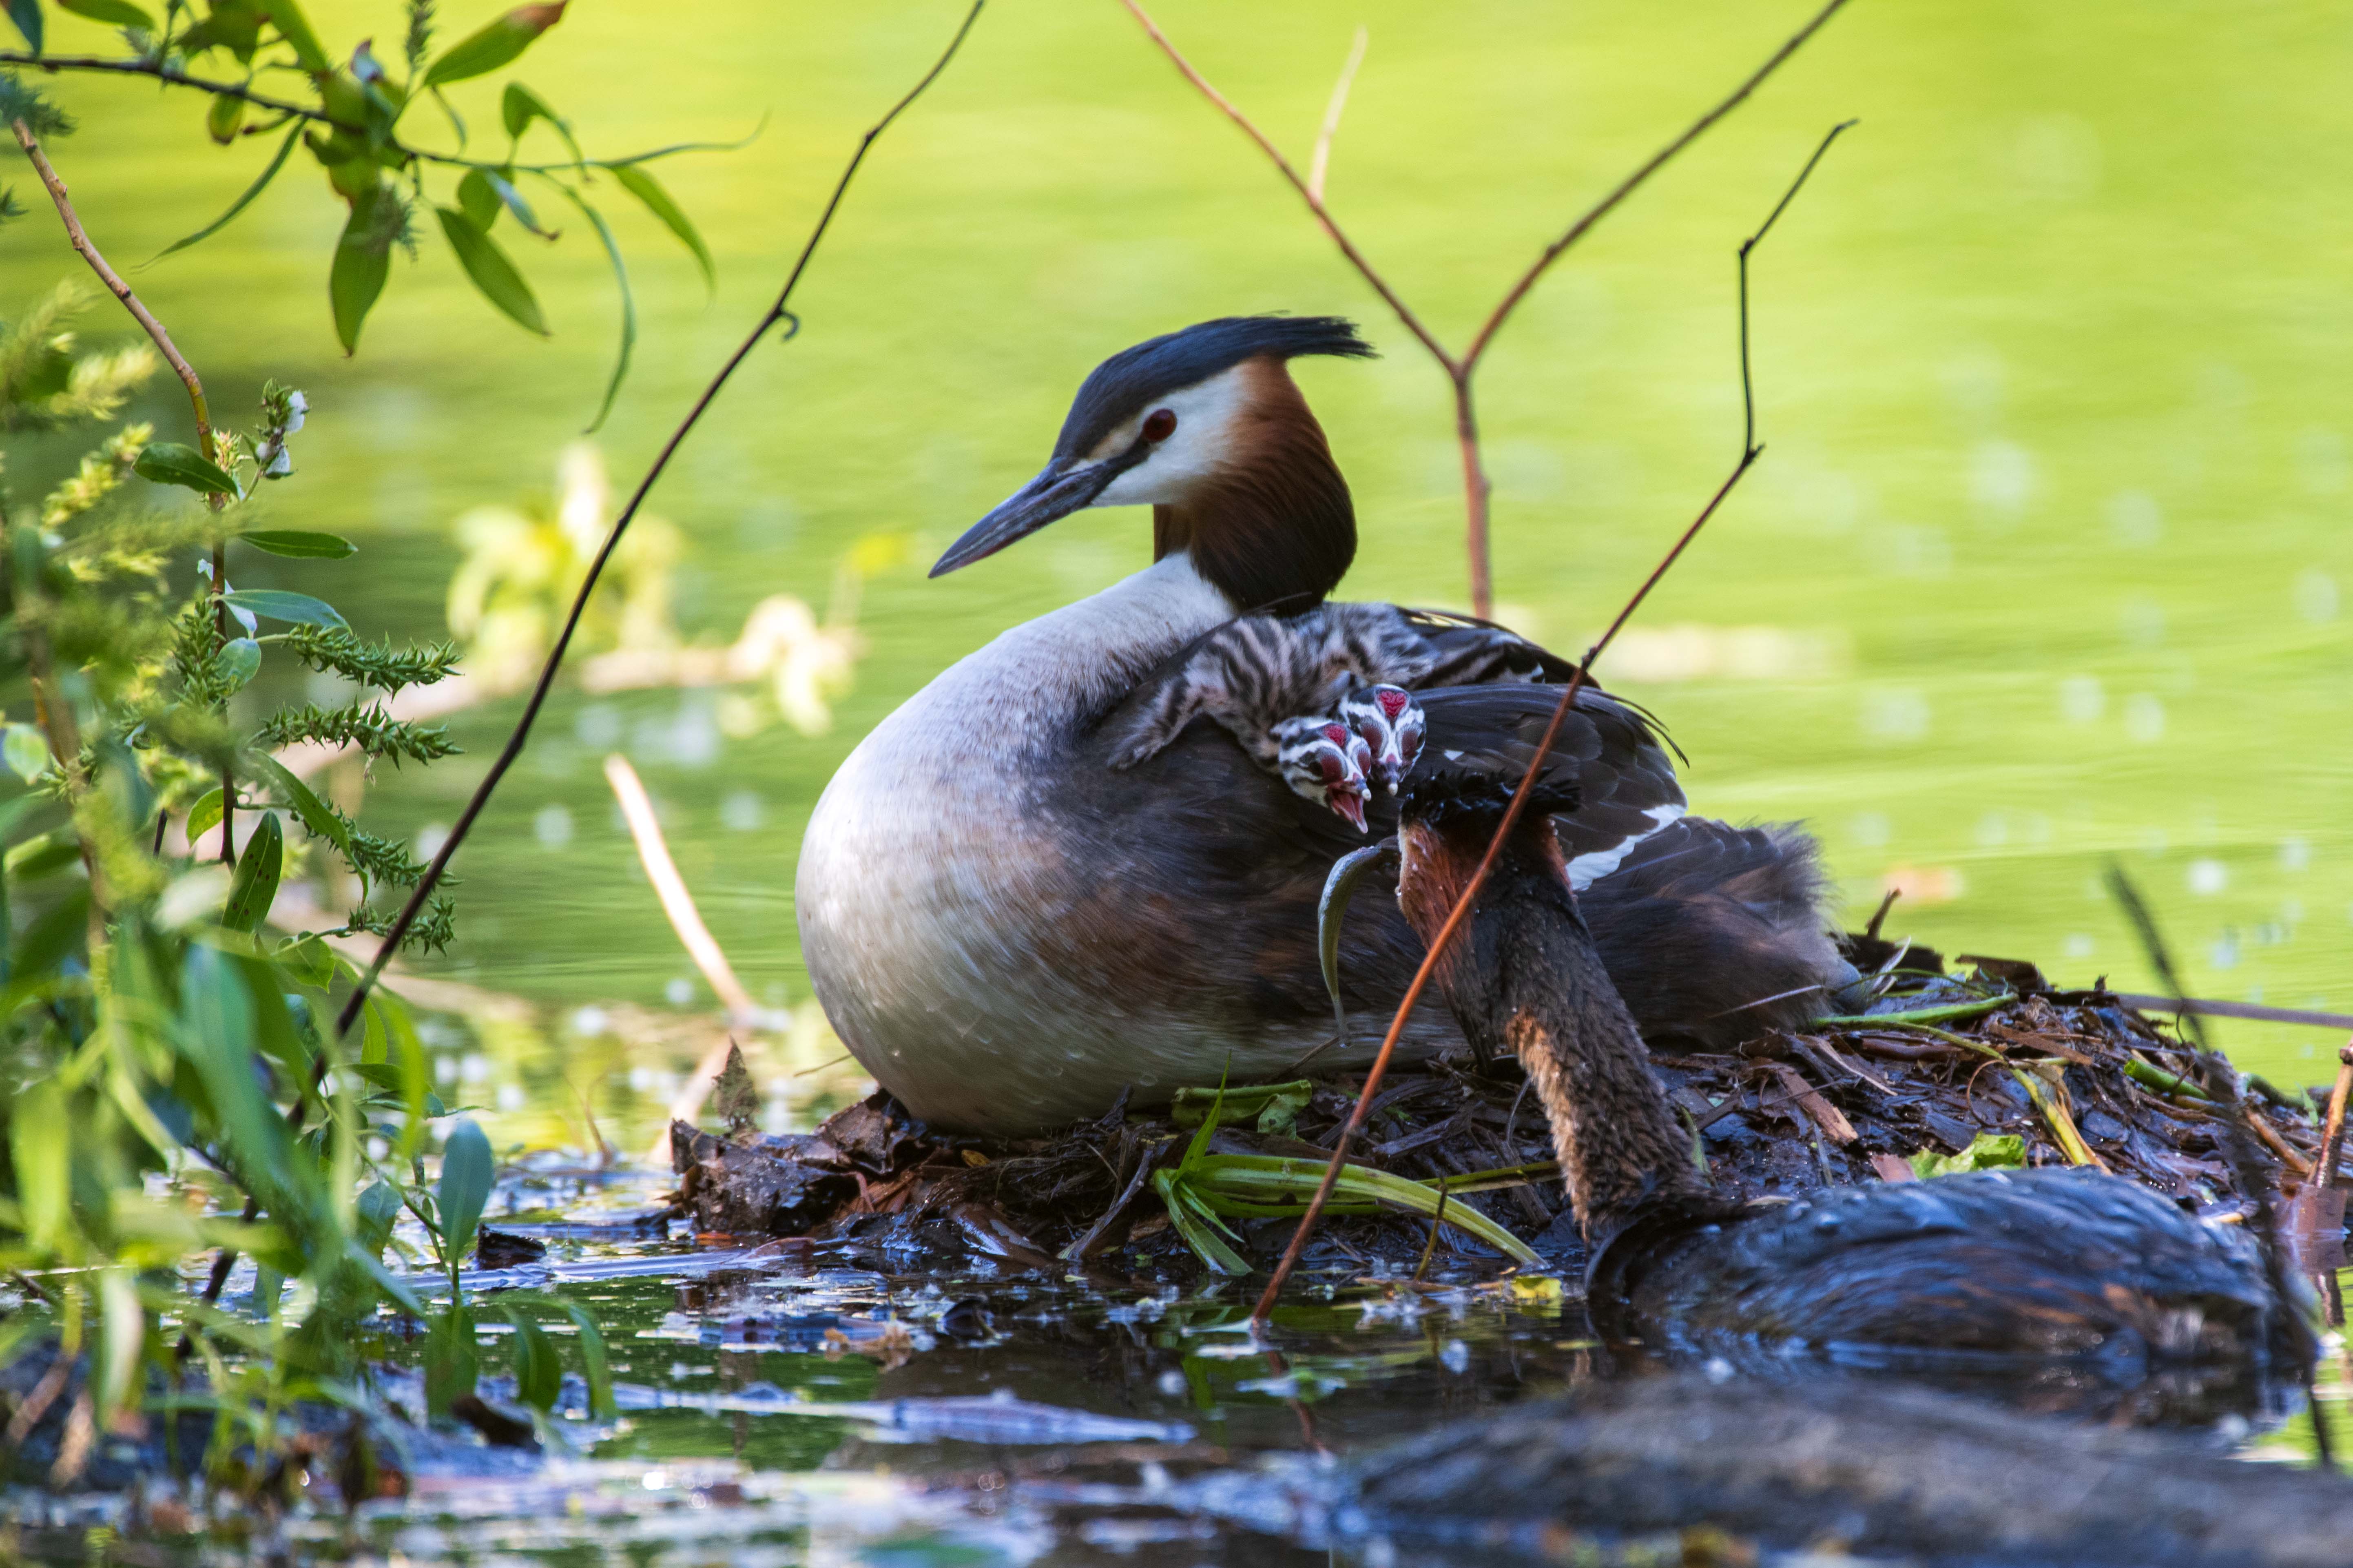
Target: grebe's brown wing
(1715,934)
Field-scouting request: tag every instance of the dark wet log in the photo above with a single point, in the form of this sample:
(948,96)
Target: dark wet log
(1881,1470)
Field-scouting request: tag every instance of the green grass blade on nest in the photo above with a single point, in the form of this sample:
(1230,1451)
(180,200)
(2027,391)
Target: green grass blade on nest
(1196,1225)
(1944,1013)
(1285,1185)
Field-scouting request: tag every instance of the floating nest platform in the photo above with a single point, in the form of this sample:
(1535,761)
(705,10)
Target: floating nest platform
(1983,1068)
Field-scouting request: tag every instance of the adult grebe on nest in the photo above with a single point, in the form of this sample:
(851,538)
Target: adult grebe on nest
(1036,885)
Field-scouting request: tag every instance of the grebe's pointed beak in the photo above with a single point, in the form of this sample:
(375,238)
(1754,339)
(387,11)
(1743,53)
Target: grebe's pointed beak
(1066,485)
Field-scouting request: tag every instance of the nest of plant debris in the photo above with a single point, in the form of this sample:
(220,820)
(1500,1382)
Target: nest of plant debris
(1944,1072)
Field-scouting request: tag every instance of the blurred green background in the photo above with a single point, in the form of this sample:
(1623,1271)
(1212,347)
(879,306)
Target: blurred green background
(2046,565)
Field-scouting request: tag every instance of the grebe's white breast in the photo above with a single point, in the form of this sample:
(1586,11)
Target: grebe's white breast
(937,876)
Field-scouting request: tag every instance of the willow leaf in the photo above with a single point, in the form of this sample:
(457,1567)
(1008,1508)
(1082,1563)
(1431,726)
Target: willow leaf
(628,306)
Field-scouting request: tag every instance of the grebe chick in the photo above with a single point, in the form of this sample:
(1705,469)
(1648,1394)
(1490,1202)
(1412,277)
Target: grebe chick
(1255,669)
(1325,761)
(2040,1264)
(1393,726)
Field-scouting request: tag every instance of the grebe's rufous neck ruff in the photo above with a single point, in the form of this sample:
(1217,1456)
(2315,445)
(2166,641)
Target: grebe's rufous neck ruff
(1207,428)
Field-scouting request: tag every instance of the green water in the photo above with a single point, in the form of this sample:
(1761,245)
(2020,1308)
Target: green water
(2046,563)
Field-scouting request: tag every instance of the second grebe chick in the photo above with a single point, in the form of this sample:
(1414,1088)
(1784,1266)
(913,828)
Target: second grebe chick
(1392,724)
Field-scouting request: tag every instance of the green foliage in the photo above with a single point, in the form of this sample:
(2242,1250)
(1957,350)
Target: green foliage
(335,650)
(167,1090)
(352,117)
(18,101)
(368,725)
(1204,1189)
(44,384)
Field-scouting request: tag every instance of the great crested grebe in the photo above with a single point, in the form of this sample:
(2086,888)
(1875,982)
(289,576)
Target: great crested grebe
(2040,1264)
(1008,929)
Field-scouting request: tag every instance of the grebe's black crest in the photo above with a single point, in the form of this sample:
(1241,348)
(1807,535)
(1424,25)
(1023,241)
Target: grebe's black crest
(1156,366)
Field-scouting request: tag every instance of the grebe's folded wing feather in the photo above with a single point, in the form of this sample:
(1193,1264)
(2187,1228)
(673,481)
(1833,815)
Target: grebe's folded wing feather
(1613,752)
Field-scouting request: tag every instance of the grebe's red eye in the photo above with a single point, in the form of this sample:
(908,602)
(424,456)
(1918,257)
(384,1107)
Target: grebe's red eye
(1159,425)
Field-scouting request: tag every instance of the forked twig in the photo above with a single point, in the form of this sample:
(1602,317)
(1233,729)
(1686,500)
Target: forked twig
(1750,452)
(774,313)
(1461,368)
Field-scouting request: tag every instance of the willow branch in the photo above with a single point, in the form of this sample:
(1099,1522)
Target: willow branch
(170,77)
(1750,452)
(88,249)
(107,275)
(776,314)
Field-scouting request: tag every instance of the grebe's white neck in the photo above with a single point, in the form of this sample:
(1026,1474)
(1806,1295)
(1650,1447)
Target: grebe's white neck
(1041,683)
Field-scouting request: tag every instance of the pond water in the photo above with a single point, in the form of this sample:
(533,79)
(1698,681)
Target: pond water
(2046,566)
(841,1403)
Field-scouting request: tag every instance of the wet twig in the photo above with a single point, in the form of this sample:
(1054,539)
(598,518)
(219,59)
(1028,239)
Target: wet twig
(1750,452)
(1461,368)
(776,313)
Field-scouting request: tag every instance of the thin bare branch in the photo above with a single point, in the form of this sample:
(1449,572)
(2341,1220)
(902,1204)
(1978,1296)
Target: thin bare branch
(1633,182)
(1747,397)
(778,313)
(1459,371)
(116,286)
(1318,165)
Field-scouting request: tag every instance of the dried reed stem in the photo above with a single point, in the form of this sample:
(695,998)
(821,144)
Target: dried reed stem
(678,904)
